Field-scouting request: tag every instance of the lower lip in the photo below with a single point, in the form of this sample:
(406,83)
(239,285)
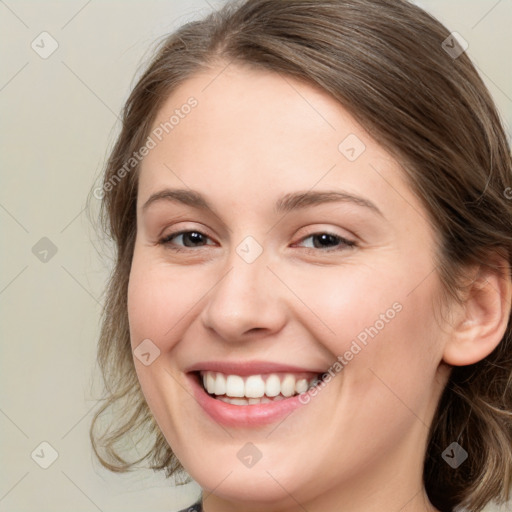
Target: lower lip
(243,415)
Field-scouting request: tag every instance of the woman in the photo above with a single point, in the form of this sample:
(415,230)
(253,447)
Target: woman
(310,308)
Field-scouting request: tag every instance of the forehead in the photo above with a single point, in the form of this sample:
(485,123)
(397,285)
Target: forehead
(251,133)
(239,109)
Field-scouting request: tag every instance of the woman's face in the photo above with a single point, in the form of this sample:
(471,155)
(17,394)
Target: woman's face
(307,253)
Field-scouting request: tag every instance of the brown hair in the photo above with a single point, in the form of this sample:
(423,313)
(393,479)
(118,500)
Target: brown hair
(384,61)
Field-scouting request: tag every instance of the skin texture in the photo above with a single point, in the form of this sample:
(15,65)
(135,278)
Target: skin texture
(253,137)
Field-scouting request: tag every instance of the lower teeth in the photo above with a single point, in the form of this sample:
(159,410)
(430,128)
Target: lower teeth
(249,401)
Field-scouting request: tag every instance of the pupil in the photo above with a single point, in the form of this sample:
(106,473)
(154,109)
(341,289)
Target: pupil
(325,237)
(194,236)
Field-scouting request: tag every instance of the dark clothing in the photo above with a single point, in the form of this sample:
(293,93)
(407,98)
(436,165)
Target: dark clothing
(196,507)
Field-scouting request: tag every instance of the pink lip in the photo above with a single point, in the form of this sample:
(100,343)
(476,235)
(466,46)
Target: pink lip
(242,415)
(249,368)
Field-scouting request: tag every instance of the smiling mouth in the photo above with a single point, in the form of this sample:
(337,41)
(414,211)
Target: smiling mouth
(256,389)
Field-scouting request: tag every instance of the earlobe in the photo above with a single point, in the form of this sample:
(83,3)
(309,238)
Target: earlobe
(483,318)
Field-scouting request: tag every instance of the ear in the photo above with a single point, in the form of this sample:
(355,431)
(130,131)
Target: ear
(482,320)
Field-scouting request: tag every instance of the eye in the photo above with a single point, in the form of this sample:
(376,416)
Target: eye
(191,237)
(329,242)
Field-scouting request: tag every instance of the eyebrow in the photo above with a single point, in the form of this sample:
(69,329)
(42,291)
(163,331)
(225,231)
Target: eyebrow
(285,204)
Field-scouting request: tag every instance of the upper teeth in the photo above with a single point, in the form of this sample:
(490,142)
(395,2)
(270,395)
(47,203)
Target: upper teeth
(255,386)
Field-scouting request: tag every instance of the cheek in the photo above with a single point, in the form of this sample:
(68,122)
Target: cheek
(145,311)
(159,300)
(383,326)
(394,372)
(350,303)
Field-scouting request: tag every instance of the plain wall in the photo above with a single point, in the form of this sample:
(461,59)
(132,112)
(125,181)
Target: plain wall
(59,118)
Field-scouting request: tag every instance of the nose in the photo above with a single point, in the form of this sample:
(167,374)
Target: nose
(247,301)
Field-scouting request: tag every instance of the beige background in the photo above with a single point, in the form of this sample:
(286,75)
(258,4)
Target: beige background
(58,120)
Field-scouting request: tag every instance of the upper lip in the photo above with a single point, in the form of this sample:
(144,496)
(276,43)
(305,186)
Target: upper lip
(244,368)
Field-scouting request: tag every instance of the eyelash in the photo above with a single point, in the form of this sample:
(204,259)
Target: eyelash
(344,241)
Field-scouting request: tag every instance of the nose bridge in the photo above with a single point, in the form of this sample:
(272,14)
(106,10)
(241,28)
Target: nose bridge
(246,297)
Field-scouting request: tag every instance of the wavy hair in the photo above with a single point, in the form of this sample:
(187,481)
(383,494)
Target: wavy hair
(385,62)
